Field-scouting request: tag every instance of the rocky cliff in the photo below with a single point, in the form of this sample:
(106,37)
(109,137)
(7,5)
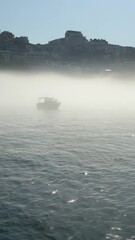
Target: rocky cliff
(71,51)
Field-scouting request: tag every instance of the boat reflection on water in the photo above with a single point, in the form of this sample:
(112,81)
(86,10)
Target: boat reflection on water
(48,103)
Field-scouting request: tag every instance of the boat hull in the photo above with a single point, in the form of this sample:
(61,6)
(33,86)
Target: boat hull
(48,106)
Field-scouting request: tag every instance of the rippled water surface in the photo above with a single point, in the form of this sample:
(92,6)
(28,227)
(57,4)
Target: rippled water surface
(67,174)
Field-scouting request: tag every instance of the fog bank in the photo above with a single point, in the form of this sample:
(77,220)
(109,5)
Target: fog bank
(23,89)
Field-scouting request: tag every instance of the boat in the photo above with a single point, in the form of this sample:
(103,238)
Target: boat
(48,103)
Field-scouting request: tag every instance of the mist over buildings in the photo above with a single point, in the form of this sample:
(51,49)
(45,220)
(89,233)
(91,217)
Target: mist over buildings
(73,52)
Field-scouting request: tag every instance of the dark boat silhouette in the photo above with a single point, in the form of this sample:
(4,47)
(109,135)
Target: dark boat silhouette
(48,103)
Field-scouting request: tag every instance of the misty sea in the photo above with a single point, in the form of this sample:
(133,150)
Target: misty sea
(67,174)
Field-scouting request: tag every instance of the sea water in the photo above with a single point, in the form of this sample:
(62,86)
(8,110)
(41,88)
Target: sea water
(67,174)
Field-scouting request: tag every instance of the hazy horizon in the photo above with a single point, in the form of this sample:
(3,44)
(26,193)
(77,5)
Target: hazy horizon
(23,89)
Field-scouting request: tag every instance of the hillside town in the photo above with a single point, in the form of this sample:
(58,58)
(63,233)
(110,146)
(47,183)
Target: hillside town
(71,51)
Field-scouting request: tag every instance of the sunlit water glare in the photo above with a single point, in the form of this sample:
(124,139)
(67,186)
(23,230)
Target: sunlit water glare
(67,174)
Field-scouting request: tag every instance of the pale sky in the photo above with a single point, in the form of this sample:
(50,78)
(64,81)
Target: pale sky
(45,20)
